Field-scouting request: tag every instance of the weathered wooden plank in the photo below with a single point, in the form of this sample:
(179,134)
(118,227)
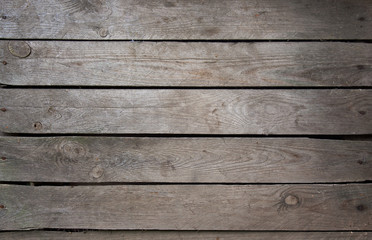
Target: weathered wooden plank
(186,64)
(182,235)
(219,160)
(188,207)
(180,19)
(322,111)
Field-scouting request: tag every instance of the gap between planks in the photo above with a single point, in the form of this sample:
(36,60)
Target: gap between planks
(181,235)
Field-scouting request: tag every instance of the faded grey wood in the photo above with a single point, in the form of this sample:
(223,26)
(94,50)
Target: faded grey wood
(182,235)
(188,207)
(181,19)
(322,111)
(186,64)
(189,160)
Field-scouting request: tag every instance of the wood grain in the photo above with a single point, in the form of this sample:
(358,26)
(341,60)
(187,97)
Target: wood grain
(64,63)
(188,207)
(180,19)
(168,111)
(189,160)
(182,235)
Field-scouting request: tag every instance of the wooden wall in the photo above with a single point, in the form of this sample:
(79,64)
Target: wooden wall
(131,119)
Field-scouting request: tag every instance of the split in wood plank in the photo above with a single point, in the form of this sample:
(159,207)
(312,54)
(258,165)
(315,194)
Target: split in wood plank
(61,63)
(168,111)
(189,160)
(179,19)
(181,235)
(188,207)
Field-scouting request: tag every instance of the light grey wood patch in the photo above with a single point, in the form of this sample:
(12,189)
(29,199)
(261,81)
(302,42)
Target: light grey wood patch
(189,160)
(181,19)
(182,235)
(169,111)
(188,207)
(61,63)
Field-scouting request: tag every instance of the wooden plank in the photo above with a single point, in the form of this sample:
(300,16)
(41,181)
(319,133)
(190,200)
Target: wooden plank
(168,111)
(182,235)
(189,160)
(188,207)
(180,19)
(95,63)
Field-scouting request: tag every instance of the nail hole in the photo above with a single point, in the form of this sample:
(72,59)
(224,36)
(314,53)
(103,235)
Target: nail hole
(361,162)
(362,19)
(361,207)
(3,17)
(38,126)
(3,109)
(3,158)
(362,112)
(5,63)
(360,67)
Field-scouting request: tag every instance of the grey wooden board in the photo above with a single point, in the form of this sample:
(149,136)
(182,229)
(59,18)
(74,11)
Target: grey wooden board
(191,111)
(188,207)
(189,160)
(182,235)
(95,63)
(184,19)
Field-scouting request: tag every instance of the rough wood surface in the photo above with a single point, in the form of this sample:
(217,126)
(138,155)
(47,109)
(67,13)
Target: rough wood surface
(322,111)
(185,64)
(188,207)
(185,19)
(183,235)
(229,160)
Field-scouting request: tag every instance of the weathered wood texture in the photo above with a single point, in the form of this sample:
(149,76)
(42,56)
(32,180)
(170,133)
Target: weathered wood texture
(336,111)
(185,64)
(230,160)
(188,207)
(182,235)
(185,19)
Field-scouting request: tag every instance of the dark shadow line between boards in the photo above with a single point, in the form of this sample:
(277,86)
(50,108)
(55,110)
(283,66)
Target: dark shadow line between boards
(360,137)
(78,184)
(84,230)
(263,88)
(191,40)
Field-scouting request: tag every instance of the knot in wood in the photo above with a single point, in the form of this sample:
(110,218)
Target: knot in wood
(19,49)
(291,200)
(97,172)
(103,32)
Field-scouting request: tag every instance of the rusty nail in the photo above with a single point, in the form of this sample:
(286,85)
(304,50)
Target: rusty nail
(3,17)
(2,206)
(3,109)
(5,63)
(3,158)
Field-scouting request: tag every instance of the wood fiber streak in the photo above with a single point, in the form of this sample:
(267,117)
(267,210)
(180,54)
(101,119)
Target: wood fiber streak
(181,19)
(189,160)
(336,111)
(182,235)
(188,207)
(62,63)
